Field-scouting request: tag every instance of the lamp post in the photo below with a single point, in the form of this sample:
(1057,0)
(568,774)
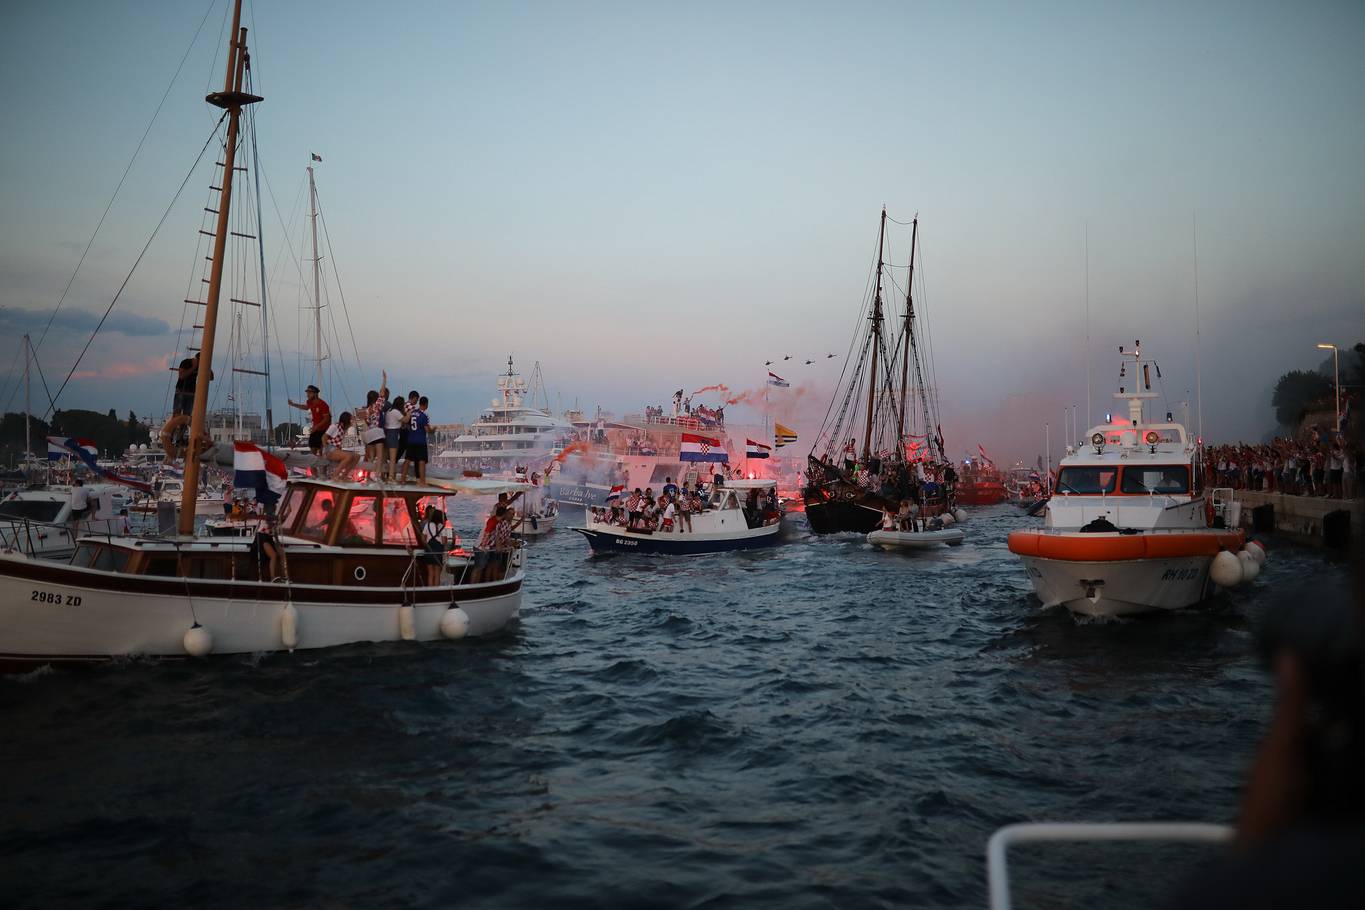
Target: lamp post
(1336,384)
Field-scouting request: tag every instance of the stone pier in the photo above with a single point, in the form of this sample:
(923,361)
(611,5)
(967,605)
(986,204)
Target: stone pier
(1300,518)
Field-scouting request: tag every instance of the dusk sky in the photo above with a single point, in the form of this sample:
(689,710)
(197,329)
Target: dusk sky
(644,197)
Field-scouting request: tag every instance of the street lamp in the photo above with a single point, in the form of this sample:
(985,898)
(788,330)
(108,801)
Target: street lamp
(1336,382)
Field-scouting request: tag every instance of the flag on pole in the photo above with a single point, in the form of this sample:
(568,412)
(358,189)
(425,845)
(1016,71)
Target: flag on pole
(86,450)
(701,448)
(616,491)
(778,381)
(983,454)
(316,157)
(756,449)
(783,435)
(253,469)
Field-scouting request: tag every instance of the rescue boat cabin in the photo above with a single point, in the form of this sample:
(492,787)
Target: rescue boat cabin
(327,533)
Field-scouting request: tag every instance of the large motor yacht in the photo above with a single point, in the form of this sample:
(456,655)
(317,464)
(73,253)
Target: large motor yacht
(507,435)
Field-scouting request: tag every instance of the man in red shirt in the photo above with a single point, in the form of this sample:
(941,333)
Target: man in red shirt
(320,417)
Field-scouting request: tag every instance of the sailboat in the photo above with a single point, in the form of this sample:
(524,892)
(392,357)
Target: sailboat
(345,560)
(882,442)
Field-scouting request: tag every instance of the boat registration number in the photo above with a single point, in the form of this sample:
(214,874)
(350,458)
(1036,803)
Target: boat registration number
(1180,575)
(621,541)
(56,597)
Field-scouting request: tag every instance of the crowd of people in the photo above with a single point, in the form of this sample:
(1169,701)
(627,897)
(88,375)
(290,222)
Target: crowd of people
(930,487)
(391,431)
(1317,464)
(672,510)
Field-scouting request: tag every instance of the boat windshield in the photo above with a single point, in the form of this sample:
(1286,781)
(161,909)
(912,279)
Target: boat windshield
(1165,478)
(31,509)
(1087,479)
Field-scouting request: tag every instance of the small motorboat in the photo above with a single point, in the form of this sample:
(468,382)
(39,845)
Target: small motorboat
(916,540)
(727,523)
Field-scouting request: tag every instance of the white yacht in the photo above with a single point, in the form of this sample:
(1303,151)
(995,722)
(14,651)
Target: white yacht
(36,521)
(507,435)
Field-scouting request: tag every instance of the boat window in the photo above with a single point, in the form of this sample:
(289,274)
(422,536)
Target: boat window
(95,556)
(359,527)
(291,505)
(31,509)
(318,515)
(164,564)
(213,565)
(1087,479)
(398,522)
(1166,478)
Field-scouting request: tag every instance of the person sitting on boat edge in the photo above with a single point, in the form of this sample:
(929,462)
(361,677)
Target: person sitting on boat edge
(345,461)
(490,556)
(669,515)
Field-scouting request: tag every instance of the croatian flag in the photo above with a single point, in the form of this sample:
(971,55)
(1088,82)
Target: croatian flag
(984,456)
(776,380)
(253,469)
(615,494)
(62,447)
(755,449)
(701,448)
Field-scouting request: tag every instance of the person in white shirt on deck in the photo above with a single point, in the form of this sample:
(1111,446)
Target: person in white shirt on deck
(80,501)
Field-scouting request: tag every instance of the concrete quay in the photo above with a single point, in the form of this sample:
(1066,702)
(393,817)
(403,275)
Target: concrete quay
(1301,518)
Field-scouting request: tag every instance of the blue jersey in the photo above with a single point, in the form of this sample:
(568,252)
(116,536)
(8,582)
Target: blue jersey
(417,428)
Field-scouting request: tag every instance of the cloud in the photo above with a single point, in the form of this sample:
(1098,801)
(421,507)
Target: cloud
(14,320)
(126,369)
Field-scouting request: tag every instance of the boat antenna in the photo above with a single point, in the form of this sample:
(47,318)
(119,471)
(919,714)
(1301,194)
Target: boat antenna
(1198,378)
(1088,410)
(876,340)
(231,99)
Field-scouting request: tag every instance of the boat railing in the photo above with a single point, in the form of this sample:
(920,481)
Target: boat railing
(997,868)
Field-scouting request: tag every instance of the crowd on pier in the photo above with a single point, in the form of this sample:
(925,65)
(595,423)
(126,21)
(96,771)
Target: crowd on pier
(1318,463)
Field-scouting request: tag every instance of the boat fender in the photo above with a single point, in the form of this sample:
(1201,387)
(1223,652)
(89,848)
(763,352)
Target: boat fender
(405,622)
(198,641)
(1257,549)
(455,623)
(948,519)
(289,627)
(1226,570)
(1250,567)
(960,514)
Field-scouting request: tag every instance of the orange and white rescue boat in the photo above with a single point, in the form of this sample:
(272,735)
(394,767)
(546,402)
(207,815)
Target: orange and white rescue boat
(1129,527)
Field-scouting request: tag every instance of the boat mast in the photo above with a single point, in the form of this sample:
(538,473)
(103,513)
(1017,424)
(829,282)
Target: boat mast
(909,327)
(232,99)
(28,409)
(317,278)
(876,340)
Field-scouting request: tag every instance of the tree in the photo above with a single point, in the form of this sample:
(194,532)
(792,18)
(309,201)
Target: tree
(1297,391)
(284,433)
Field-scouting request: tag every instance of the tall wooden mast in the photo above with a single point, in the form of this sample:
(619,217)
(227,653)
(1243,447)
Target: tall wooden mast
(232,99)
(876,340)
(909,327)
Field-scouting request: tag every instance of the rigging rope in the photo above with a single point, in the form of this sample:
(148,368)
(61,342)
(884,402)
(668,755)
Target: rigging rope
(136,263)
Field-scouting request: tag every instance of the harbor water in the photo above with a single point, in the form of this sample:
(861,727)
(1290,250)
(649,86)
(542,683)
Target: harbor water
(816,725)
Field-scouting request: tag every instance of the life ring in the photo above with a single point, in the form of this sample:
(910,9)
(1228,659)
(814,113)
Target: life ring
(848,495)
(359,573)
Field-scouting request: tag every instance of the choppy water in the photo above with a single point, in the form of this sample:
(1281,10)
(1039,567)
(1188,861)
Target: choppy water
(817,725)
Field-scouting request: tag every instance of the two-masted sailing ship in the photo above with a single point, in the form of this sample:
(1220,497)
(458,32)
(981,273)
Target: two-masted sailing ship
(881,442)
(340,562)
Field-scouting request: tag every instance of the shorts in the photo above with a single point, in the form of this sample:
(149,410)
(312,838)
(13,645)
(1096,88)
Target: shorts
(417,451)
(315,440)
(79,514)
(373,435)
(391,438)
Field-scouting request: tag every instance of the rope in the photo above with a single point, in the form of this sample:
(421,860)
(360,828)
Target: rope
(136,263)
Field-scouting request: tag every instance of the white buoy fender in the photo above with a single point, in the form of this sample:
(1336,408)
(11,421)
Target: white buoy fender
(289,627)
(1257,549)
(455,623)
(948,519)
(1226,570)
(960,514)
(198,641)
(1250,567)
(405,623)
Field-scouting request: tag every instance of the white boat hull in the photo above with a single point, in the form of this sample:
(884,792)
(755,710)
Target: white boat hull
(916,540)
(540,528)
(1136,585)
(55,613)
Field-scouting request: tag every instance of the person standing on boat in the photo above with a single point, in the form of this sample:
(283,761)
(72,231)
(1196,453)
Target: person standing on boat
(417,442)
(393,434)
(80,502)
(433,527)
(319,414)
(408,407)
(376,403)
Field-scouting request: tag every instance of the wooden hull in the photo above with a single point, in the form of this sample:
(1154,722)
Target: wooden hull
(53,613)
(836,516)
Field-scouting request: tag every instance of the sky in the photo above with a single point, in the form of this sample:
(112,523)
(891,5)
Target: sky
(646,197)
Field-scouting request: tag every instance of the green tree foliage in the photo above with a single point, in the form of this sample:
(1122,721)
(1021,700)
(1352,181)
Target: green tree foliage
(1295,392)
(284,433)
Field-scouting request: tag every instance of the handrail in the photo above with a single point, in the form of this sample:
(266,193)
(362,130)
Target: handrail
(997,870)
